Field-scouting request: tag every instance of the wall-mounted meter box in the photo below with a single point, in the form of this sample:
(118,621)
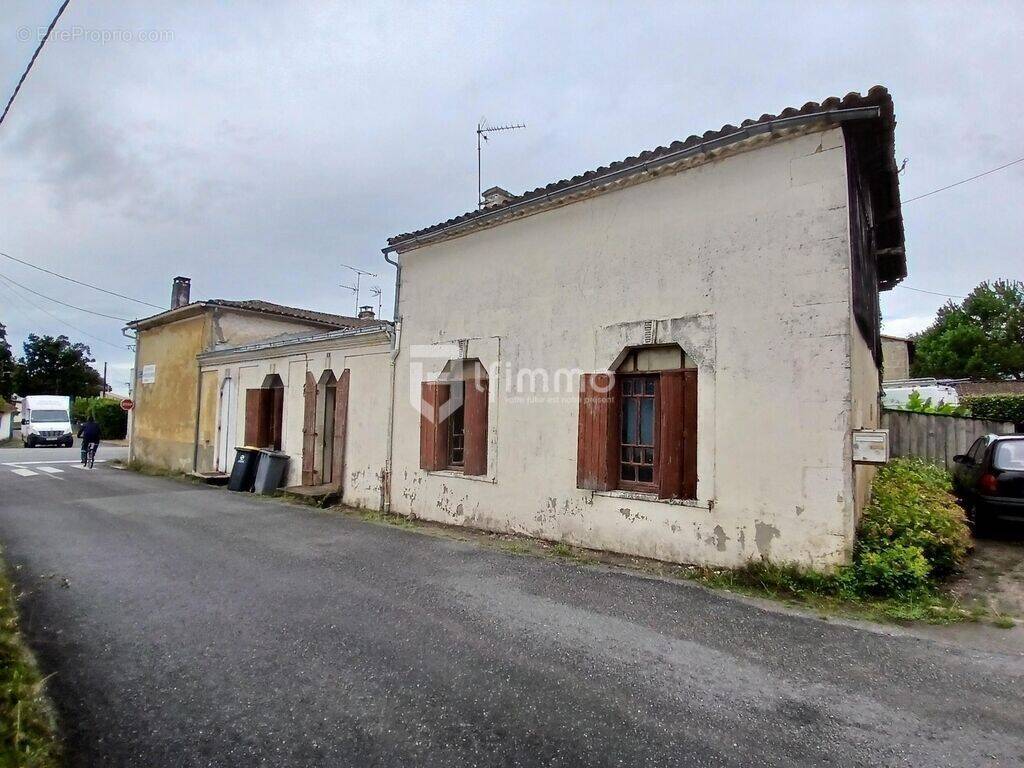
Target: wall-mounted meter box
(870,446)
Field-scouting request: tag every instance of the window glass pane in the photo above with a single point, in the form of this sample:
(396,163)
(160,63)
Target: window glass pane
(647,421)
(648,455)
(649,386)
(627,387)
(1009,454)
(629,472)
(626,453)
(629,421)
(645,474)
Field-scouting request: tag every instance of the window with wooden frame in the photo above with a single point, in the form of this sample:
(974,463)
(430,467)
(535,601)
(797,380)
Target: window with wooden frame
(264,414)
(638,426)
(453,421)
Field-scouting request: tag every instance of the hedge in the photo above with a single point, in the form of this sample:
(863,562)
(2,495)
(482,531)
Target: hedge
(108,414)
(996,407)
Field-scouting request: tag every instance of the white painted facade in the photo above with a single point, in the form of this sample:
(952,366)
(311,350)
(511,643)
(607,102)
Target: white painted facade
(745,262)
(366,353)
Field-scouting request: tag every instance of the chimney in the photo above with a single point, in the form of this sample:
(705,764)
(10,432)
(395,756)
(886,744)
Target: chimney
(366,313)
(180,291)
(496,196)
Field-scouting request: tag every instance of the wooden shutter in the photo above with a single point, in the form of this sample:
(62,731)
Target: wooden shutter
(340,428)
(677,441)
(255,424)
(308,429)
(475,424)
(598,446)
(276,438)
(433,431)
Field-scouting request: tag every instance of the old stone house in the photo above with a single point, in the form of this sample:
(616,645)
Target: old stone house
(897,355)
(667,356)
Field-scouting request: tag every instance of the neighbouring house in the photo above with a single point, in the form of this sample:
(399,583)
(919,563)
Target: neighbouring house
(897,356)
(667,356)
(166,429)
(323,398)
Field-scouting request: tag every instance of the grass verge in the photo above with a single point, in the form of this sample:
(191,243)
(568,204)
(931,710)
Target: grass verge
(27,730)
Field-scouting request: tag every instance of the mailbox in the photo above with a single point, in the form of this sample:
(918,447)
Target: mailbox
(870,446)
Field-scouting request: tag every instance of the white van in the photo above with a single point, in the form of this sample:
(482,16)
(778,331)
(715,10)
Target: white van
(46,420)
(896,393)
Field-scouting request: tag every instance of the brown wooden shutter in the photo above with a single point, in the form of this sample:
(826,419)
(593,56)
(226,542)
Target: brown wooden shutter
(308,429)
(475,422)
(255,424)
(433,431)
(276,418)
(598,446)
(677,442)
(340,428)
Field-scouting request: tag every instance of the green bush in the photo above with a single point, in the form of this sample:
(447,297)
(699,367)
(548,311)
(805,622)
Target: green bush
(913,521)
(918,404)
(108,414)
(898,569)
(996,407)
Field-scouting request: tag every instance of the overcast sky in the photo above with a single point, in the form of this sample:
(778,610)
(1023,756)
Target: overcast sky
(255,147)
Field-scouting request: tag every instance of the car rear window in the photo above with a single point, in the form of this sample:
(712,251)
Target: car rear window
(1009,454)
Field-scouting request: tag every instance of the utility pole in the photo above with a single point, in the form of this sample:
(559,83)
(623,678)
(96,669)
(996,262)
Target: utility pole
(104,378)
(355,288)
(482,129)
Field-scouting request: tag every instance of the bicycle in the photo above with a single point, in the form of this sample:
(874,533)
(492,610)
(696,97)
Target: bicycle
(89,455)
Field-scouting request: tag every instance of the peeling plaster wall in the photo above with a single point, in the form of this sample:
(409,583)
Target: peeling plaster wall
(895,359)
(745,262)
(163,425)
(369,390)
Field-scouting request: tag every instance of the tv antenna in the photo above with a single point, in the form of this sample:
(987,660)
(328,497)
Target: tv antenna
(355,288)
(482,129)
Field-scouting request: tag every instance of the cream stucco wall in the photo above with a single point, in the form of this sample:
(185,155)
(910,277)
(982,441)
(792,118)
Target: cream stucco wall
(745,263)
(369,363)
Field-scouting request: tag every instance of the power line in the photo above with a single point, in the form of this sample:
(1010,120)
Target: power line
(76,329)
(79,282)
(933,293)
(964,181)
(64,303)
(32,61)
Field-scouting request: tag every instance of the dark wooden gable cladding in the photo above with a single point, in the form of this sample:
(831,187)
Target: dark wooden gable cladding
(598,446)
(309,429)
(257,432)
(677,440)
(433,431)
(340,428)
(475,421)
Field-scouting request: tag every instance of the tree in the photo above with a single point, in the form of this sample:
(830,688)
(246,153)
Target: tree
(7,366)
(981,338)
(55,366)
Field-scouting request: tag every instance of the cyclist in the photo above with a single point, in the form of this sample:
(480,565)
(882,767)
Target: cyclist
(90,434)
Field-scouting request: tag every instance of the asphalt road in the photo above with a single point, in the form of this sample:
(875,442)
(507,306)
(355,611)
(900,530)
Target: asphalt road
(202,628)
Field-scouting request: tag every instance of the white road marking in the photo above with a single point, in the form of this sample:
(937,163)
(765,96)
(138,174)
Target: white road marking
(60,461)
(24,472)
(50,470)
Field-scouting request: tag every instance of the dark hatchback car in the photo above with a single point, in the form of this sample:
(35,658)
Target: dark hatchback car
(989,479)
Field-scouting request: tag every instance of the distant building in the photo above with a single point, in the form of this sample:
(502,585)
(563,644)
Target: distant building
(7,413)
(897,355)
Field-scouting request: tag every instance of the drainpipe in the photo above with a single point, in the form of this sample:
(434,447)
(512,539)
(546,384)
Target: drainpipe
(396,343)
